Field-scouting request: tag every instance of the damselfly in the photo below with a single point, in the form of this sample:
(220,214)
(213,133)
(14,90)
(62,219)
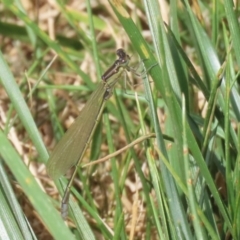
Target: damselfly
(71,148)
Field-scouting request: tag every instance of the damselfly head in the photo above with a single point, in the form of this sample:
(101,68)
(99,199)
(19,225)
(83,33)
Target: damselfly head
(123,57)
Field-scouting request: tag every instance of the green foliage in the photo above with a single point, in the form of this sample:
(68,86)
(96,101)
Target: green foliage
(185,187)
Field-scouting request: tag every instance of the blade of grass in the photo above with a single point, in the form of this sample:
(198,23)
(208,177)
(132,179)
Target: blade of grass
(117,191)
(15,209)
(38,199)
(52,44)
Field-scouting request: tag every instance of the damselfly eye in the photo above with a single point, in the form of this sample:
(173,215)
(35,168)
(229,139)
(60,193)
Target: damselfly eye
(121,53)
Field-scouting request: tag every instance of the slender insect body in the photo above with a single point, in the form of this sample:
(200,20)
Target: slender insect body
(72,147)
(111,71)
(108,93)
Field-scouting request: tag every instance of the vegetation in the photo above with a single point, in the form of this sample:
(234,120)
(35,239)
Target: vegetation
(181,179)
